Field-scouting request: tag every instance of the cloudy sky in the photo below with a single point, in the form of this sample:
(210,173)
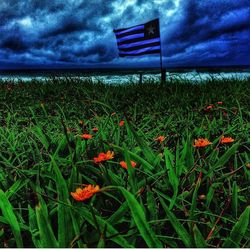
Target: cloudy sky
(79,33)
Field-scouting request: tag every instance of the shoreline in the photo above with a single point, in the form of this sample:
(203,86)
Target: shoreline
(127,78)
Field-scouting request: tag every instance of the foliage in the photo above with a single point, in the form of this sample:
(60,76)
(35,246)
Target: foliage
(176,195)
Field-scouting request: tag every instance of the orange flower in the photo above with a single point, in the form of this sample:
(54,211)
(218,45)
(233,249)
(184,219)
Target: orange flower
(104,157)
(160,138)
(209,107)
(95,129)
(124,164)
(220,103)
(248,165)
(201,142)
(81,122)
(225,140)
(121,123)
(86,136)
(82,194)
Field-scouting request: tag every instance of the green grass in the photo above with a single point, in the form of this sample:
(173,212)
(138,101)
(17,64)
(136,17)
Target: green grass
(176,196)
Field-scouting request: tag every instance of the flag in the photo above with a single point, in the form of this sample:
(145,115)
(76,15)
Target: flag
(139,40)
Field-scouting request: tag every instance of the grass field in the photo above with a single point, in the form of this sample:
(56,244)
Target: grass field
(181,193)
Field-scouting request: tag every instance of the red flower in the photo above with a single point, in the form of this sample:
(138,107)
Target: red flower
(225,140)
(86,136)
(124,164)
(209,107)
(201,142)
(220,103)
(121,123)
(82,194)
(160,138)
(104,157)
(95,129)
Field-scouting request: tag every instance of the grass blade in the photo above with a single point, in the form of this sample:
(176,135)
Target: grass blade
(16,187)
(148,153)
(180,230)
(9,215)
(235,199)
(224,158)
(110,230)
(239,230)
(151,204)
(131,171)
(33,228)
(47,236)
(198,238)
(140,220)
(64,218)
(174,181)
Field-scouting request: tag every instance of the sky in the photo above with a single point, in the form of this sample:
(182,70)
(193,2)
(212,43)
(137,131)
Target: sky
(79,33)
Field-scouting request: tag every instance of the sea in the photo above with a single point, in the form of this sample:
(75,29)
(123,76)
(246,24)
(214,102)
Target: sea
(121,76)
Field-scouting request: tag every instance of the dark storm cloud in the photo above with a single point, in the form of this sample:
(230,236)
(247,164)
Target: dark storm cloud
(211,31)
(79,32)
(58,31)
(16,44)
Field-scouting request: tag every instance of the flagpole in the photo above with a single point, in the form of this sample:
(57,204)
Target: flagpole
(161,58)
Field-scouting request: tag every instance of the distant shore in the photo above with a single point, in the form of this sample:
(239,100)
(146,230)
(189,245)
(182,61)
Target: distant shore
(124,76)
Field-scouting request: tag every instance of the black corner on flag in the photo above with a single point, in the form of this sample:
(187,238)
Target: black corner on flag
(151,29)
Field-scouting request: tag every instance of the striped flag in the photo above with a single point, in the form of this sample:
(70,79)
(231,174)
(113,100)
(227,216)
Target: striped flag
(139,40)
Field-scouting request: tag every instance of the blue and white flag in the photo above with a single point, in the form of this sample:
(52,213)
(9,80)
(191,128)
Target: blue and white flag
(139,40)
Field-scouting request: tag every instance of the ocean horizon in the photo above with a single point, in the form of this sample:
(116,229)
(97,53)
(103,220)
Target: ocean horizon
(125,76)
